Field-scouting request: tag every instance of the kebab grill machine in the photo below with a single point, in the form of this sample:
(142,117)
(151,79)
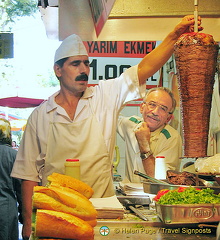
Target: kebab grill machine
(196,56)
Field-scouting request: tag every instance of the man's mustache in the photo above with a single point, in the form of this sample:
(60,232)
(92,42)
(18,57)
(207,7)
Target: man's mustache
(82,77)
(153,117)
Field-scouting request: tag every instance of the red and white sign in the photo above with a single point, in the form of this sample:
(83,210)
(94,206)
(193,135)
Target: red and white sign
(108,59)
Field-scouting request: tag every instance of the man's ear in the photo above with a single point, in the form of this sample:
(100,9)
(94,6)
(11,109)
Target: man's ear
(142,107)
(56,69)
(169,118)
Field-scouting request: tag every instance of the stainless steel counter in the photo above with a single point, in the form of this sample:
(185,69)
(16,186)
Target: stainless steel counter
(132,227)
(121,230)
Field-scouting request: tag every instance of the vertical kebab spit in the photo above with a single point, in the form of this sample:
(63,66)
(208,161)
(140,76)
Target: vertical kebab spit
(196,58)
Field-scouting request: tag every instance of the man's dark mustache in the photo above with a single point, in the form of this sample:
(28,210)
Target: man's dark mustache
(82,77)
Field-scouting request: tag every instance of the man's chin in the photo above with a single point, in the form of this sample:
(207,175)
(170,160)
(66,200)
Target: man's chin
(82,88)
(151,128)
(153,125)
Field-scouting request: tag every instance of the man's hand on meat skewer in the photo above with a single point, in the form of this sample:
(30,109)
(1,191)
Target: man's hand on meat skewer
(187,25)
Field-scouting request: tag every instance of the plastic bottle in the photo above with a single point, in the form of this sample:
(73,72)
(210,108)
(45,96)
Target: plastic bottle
(160,167)
(72,168)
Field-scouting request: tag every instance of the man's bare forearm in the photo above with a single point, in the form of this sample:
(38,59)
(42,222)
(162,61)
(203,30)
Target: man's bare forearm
(27,193)
(149,165)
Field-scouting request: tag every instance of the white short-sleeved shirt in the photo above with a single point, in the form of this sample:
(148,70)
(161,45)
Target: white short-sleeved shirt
(106,100)
(165,141)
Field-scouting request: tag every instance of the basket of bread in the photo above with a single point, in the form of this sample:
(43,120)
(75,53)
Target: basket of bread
(62,210)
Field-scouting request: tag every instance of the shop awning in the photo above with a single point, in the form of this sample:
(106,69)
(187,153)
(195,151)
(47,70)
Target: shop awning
(20,102)
(24,97)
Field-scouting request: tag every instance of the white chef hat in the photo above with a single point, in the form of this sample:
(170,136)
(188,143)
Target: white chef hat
(71,46)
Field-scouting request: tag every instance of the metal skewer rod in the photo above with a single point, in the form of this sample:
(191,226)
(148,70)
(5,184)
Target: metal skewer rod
(196,16)
(150,178)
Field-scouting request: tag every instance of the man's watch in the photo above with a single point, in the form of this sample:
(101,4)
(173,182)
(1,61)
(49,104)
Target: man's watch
(145,155)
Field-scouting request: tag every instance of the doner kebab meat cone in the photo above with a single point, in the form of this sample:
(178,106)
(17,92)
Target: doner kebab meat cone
(196,58)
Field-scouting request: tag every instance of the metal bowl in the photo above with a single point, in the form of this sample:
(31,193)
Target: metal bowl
(153,188)
(188,213)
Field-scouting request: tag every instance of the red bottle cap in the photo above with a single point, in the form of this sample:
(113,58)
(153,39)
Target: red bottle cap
(72,160)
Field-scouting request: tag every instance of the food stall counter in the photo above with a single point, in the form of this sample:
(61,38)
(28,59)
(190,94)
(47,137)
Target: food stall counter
(132,227)
(152,230)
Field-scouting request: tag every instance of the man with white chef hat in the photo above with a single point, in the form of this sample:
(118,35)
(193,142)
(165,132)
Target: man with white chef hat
(80,121)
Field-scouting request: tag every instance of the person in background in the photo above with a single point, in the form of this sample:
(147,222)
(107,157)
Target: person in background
(10,188)
(150,135)
(14,145)
(80,121)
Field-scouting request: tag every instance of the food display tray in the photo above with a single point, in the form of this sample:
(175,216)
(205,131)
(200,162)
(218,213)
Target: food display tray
(153,188)
(188,213)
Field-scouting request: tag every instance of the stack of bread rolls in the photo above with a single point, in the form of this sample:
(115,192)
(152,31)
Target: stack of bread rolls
(63,209)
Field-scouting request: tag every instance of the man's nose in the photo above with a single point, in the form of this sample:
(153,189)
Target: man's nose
(156,109)
(83,67)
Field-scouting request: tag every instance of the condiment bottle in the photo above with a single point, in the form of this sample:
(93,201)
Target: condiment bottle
(72,168)
(160,167)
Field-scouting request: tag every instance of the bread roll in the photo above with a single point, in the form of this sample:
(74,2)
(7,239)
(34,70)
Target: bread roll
(70,182)
(63,201)
(55,224)
(56,185)
(92,222)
